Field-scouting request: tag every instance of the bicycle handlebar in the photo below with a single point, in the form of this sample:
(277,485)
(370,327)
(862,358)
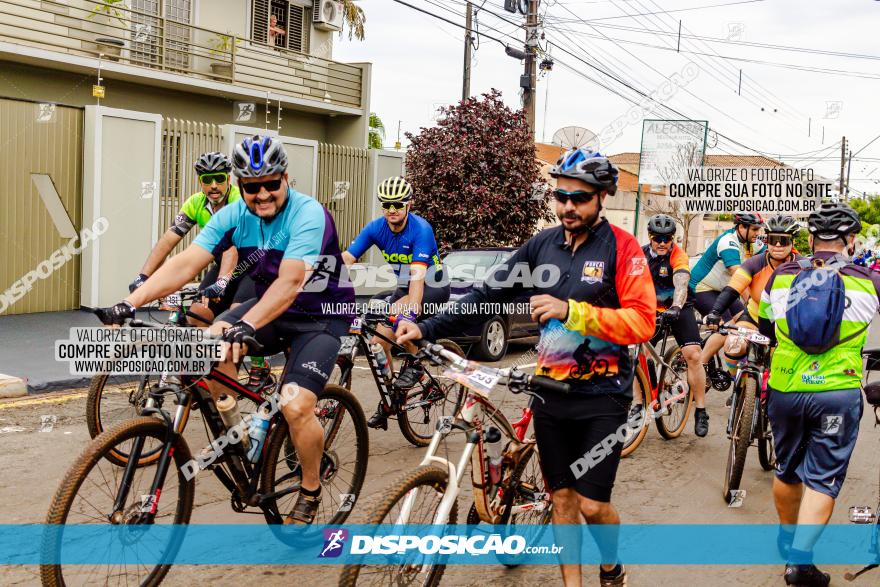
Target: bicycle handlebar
(250,341)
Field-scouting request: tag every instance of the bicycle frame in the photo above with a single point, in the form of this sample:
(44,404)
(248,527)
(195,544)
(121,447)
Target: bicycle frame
(655,379)
(752,365)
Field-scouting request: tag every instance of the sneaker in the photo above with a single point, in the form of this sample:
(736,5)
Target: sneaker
(613,578)
(806,576)
(635,415)
(701,423)
(409,376)
(305,509)
(379,419)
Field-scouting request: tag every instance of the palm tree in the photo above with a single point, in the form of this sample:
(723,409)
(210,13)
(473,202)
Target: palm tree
(377,132)
(354,18)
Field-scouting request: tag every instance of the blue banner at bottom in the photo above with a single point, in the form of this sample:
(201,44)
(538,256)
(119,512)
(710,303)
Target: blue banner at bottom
(390,544)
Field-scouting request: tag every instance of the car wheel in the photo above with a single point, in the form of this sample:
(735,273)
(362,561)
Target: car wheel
(493,340)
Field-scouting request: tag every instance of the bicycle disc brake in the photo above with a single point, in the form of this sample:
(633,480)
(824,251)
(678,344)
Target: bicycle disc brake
(721,380)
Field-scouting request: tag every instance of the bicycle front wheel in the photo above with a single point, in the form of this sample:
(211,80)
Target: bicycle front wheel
(430,400)
(343,463)
(419,493)
(87,494)
(676,396)
(637,428)
(740,435)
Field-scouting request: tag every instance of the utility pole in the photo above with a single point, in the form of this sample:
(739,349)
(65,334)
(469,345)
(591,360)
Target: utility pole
(848,172)
(529,78)
(842,163)
(466,82)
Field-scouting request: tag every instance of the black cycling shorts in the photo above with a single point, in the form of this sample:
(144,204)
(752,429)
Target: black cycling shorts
(580,447)
(685,330)
(238,290)
(313,343)
(705,301)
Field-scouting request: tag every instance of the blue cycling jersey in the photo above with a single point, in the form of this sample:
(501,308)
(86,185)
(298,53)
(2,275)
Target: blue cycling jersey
(414,244)
(303,230)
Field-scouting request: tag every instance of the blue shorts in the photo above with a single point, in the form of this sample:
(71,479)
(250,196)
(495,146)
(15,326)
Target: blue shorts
(815,434)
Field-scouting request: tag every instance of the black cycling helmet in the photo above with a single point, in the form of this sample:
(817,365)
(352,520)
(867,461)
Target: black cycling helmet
(781,224)
(747,219)
(833,220)
(259,156)
(213,162)
(661,224)
(588,166)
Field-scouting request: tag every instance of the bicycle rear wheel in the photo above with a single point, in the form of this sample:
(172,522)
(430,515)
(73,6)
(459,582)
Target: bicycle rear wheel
(676,396)
(740,435)
(425,488)
(430,400)
(637,428)
(87,493)
(343,464)
(766,448)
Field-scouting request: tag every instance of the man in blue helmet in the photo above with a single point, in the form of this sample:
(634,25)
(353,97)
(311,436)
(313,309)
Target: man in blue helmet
(287,242)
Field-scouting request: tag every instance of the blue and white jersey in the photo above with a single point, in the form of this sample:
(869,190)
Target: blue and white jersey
(710,273)
(413,245)
(303,230)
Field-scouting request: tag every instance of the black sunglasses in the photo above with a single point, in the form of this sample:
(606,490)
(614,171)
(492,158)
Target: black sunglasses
(394,205)
(661,238)
(577,197)
(254,187)
(778,240)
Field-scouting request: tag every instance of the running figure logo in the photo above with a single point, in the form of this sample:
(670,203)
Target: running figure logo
(334,540)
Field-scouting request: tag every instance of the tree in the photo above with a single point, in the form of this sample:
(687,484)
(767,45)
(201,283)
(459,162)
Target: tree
(687,155)
(377,132)
(868,208)
(354,18)
(475,175)
(802,242)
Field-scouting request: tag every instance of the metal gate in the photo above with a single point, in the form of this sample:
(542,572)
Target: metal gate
(343,177)
(41,206)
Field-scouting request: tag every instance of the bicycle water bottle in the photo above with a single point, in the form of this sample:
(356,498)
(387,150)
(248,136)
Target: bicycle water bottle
(231,417)
(257,431)
(492,442)
(382,359)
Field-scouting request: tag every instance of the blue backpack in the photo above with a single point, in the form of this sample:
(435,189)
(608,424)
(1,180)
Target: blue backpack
(815,306)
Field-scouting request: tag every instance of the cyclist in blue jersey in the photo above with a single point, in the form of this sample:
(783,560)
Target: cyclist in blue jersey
(715,268)
(407,242)
(287,243)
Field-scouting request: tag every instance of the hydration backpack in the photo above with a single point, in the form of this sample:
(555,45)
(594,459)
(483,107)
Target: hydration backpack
(816,302)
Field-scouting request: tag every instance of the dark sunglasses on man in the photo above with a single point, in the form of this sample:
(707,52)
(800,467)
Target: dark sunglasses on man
(661,238)
(778,240)
(394,206)
(254,187)
(218,178)
(576,197)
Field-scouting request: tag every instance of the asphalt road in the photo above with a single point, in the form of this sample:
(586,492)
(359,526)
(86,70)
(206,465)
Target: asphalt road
(676,481)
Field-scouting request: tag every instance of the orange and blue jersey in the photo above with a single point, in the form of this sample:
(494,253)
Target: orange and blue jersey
(662,268)
(753,275)
(611,304)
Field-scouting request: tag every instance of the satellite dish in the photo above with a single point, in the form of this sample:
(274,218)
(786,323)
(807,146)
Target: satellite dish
(575,137)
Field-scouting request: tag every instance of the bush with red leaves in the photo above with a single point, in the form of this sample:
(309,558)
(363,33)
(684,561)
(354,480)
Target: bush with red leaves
(475,176)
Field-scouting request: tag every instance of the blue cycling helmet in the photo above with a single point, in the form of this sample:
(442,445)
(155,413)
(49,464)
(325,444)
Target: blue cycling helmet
(259,156)
(587,166)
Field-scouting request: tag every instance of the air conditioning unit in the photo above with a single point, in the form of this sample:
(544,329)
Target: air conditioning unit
(327,15)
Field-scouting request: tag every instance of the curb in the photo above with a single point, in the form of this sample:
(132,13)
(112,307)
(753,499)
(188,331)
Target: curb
(12,387)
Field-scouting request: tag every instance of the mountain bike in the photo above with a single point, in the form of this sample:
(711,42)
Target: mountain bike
(862,514)
(97,490)
(748,421)
(666,392)
(503,492)
(116,398)
(418,409)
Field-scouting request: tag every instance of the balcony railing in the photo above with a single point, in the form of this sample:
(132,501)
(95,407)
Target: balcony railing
(117,33)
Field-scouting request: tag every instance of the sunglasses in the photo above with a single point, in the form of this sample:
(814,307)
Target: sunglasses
(578,197)
(254,187)
(661,238)
(394,206)
(778,240)
(209,178)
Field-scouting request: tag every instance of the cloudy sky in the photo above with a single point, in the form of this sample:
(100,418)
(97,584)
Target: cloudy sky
(821,73)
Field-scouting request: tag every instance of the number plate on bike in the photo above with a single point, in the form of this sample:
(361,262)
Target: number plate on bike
(479,379)
(348,343)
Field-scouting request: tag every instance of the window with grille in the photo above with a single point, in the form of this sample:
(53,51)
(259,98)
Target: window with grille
(146,31)
(281,23)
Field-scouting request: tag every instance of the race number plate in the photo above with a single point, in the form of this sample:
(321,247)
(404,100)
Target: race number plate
(479,379)
(356,326)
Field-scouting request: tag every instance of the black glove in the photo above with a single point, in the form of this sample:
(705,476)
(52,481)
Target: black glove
(671,315)
(238,331)
(138,281)
(117,314)
(712,319)
(216,290)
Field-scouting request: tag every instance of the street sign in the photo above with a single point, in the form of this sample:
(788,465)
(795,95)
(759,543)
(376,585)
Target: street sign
(669,147)
(98,91)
